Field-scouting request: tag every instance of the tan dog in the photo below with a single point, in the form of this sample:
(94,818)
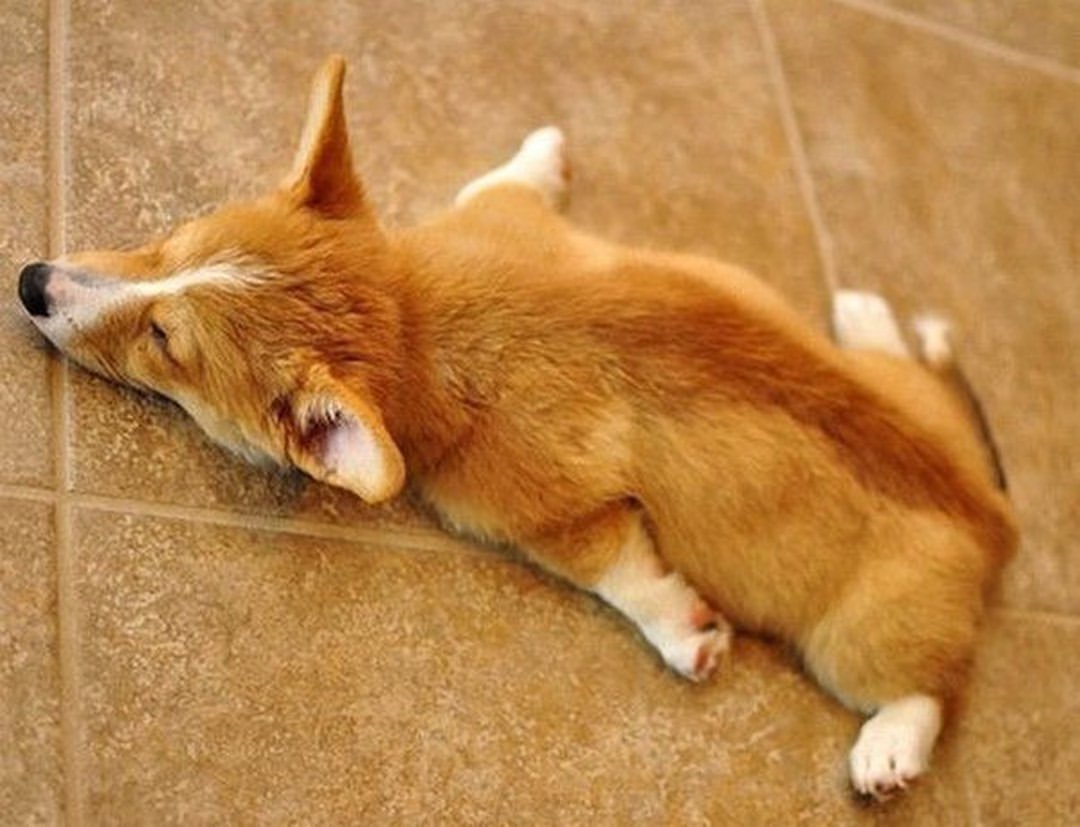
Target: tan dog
(659,429)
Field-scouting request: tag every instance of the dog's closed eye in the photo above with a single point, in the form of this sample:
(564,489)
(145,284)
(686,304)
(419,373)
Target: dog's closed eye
(160,337)
(158,334)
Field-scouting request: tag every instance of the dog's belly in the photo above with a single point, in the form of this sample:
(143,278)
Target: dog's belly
(462,512)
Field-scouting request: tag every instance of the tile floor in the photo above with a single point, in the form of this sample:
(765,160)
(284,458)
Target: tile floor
(185,640)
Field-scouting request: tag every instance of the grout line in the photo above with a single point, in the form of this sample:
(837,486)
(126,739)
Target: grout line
(416,539)
(971,801)
(67,609)
(27,492)
(800,161)
(1037,615)
(945,31)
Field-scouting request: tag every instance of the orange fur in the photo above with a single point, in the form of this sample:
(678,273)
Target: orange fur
(549,390)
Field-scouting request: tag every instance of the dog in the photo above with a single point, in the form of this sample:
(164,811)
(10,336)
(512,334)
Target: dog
(658,429)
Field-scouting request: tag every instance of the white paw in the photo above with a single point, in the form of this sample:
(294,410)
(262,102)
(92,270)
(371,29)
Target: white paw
(547,143)
(894,746)
(935,339)
(540,163)
(693,650)
(864,321)
(700,654)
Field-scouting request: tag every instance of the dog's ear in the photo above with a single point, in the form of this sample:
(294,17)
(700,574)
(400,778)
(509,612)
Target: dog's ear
(322,175)
(335,436)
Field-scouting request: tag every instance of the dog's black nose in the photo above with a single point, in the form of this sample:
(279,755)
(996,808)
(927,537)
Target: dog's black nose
(32,281)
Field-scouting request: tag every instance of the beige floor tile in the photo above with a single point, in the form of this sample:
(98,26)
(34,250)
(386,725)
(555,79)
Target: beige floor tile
(25,442)
(1021,730)
(236,677)
(946,178)
(1047,28)
(166,120)
(31,775)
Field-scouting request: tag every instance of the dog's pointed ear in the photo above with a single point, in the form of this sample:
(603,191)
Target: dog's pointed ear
(336,437)
(322,175)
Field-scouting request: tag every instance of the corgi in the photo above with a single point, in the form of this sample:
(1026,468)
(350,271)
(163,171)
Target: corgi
(656,428)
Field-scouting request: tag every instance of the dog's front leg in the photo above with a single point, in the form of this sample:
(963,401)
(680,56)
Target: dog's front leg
(611,554)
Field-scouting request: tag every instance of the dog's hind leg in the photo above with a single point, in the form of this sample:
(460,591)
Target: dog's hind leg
(539,164)
(898,648)
(864,321)
(611,554)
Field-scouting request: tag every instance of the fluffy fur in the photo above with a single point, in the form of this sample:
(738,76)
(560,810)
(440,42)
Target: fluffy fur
(657,428)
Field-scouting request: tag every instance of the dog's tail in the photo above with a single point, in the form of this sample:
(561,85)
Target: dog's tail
(937,353)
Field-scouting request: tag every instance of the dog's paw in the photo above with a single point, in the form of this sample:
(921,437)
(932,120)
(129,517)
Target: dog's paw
(540,163)
(883,763)
(542,160)
(697,652)
(935,340)
(864,321)
(894,747)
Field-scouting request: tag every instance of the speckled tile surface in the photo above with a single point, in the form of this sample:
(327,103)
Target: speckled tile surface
(1044,28)
(246,647)
(1020,730)
(31,774)
(227,671)
(26,455)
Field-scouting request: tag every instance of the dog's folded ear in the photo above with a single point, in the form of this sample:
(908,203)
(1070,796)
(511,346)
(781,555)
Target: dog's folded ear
(335,436)
(322,176)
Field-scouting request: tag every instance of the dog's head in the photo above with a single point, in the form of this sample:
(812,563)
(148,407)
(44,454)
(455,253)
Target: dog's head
(270,321)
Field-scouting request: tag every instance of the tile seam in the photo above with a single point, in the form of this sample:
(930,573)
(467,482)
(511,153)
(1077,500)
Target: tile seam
(13,491)
(796,146)
(409,539)
(971,802)
(1037,616)
(980,43)
(67,627)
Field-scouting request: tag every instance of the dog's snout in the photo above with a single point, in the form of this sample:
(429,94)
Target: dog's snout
(32,281)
